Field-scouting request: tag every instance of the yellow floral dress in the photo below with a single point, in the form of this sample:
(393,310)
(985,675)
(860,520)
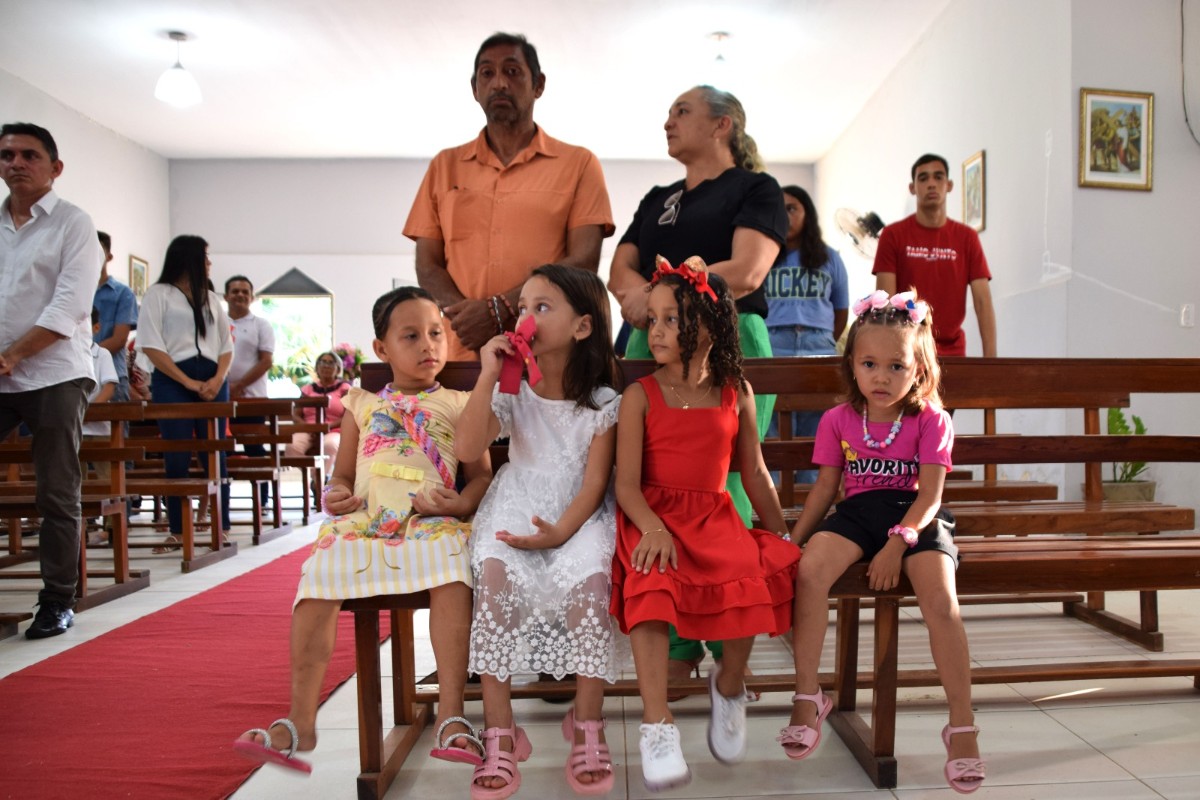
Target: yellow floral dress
(405,446)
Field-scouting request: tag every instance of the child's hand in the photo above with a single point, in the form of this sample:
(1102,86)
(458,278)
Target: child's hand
(883,573)
(340,500)
(491,355)
(548,536)
(438,501)
(658,546)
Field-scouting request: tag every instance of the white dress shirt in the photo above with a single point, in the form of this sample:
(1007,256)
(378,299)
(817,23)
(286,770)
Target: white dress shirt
(49,269)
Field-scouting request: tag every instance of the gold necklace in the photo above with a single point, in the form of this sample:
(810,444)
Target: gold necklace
(684,403)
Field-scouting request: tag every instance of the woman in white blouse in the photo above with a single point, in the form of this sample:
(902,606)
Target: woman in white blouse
(184,331)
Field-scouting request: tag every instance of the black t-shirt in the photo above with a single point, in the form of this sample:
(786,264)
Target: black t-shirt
(704,226)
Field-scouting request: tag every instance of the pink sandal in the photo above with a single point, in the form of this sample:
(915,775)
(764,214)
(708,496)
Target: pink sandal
(499,763)
(591,756)
(799,741)
(964,775)
(267,754)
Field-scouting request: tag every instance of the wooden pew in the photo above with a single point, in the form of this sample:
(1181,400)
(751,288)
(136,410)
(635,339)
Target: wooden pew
(312,471)
(154,483)
(99,498)
(992,565)
(261,470)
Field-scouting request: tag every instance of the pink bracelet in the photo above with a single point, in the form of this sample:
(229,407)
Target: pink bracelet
(909,535)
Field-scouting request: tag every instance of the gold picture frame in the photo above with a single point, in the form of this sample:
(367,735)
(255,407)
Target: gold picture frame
(138,268)
(974,191)
(1116,139)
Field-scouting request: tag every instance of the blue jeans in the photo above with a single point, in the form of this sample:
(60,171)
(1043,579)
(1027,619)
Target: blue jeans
(164,389)
(800,340)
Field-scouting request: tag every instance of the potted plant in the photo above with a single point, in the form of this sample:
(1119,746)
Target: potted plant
(1126,485)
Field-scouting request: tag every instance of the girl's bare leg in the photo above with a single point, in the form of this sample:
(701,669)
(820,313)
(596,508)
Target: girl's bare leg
(826,557)
(650,644)
(450,634)
(932,577)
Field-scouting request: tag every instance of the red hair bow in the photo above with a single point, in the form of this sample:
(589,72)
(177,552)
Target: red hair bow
(694,271)
(514,364)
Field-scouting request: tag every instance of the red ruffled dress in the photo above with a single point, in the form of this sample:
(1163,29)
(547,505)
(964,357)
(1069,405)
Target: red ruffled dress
(731,582)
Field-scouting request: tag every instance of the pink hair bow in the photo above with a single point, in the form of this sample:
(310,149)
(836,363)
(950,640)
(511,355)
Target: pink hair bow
(515,363)
(693,270)
(875,301)
(907,302)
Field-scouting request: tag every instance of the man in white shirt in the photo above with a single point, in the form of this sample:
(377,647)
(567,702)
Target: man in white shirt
(253,352)
(49,267)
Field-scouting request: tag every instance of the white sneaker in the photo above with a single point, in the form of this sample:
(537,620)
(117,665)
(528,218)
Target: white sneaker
(727,724)
(663,766)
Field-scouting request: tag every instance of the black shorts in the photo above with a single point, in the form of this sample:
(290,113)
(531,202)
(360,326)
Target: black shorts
(866,518)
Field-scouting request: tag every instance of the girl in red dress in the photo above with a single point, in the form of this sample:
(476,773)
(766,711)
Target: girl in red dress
(684,557)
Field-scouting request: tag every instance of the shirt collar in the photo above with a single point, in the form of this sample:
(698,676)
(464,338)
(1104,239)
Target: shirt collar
(540,145)
(44,205)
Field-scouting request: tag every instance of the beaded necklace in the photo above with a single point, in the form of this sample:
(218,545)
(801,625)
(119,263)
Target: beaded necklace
(891,437)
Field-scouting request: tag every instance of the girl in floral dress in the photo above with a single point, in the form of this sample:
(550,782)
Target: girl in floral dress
(397,528)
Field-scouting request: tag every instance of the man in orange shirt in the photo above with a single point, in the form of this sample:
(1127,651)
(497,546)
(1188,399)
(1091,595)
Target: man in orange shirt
(491,211)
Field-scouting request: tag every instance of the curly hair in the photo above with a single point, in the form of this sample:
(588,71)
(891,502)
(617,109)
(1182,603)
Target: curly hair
(593,362)
(927,387)
(720,319)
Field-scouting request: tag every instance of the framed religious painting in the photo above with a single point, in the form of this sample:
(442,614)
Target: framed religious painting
(137,276)
(1116,139)
(974,192)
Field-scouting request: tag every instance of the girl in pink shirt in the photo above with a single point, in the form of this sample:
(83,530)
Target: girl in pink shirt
(891,441)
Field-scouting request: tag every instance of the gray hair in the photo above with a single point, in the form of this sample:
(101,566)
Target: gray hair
(724,104)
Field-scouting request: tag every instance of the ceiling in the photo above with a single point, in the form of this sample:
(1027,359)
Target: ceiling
(390,78)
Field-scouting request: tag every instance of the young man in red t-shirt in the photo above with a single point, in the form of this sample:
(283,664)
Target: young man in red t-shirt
(940,258)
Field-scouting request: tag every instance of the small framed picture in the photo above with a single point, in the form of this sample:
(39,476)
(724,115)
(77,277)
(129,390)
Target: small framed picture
(137,276)
(974,191)
(1116,139)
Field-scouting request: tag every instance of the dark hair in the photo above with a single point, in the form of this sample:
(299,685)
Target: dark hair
(510,40)
(927,387)
(381,312)
(238,278)
(185,259)
(332,355)
(96,321)
(36,131)
(593,362)
(813,253)
(720,318)
(105,241)
(929,158)
(741,145)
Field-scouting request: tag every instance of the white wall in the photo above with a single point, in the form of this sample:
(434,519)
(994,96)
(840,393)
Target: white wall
(1077,272)
(340,221)
(120,183)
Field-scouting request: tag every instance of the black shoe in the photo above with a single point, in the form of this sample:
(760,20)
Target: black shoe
(51,619)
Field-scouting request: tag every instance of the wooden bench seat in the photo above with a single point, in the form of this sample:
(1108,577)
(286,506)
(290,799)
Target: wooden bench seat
(1006,552)
(103,498)
(155,483)
(259,470)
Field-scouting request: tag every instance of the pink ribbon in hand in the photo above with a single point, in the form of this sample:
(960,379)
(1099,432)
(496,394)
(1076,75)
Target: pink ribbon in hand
(514,365)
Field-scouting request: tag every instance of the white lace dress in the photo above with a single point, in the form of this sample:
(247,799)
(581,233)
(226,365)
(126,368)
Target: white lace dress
(544,610)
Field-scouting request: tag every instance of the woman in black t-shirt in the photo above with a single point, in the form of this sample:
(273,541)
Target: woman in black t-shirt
(728,212)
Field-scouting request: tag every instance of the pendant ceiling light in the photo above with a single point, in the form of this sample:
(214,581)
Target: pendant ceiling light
(176,86)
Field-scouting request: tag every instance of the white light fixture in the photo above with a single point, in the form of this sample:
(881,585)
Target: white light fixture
(177,87)
(719,37)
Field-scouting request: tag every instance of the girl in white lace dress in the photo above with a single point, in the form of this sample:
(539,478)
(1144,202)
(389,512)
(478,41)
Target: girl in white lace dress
(544,535)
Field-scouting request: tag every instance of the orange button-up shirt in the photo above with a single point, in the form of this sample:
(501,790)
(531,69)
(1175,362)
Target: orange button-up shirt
(499,222)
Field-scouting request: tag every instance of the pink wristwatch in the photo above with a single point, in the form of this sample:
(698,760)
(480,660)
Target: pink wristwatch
(909,535)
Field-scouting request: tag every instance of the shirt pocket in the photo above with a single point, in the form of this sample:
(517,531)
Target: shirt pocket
(466,213)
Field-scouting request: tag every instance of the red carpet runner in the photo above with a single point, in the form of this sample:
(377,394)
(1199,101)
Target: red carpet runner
(150,709)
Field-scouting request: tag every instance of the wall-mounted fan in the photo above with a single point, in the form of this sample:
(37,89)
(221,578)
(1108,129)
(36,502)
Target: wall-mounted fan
(863,229)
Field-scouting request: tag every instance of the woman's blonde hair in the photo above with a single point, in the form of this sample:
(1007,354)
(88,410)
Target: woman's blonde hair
(724,104)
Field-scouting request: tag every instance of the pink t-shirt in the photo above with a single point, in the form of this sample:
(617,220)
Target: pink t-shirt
(926,438)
